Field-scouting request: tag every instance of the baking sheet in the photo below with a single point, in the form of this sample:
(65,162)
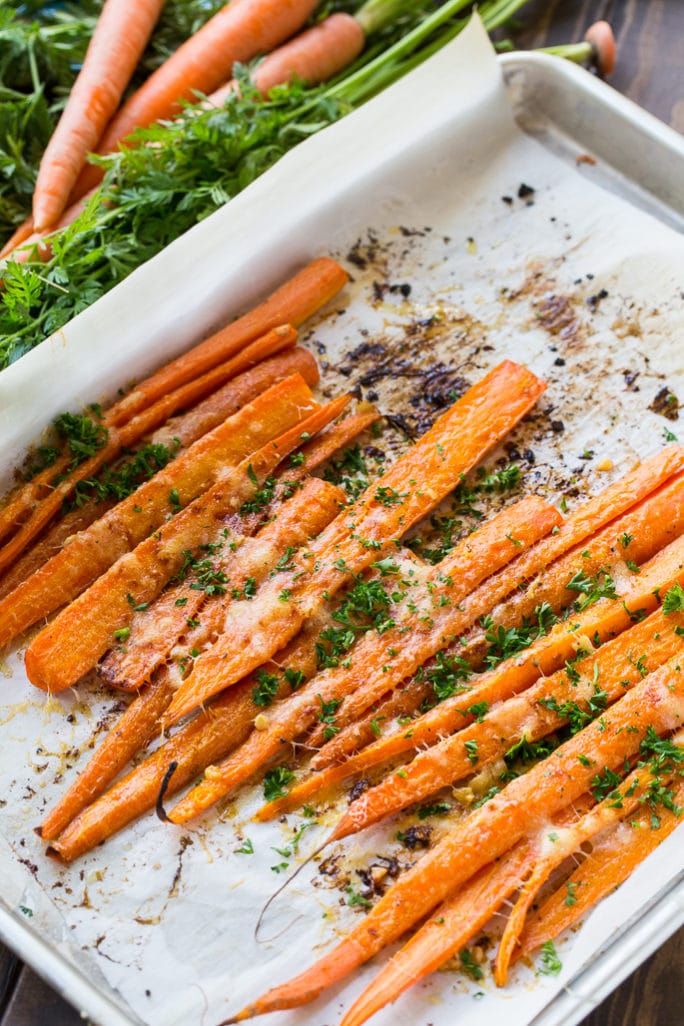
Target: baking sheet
(406,191)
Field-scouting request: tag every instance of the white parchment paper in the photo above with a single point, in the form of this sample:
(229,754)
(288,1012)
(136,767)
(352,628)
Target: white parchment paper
(568,279)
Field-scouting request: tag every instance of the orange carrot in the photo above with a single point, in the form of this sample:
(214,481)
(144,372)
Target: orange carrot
(607,673)
(92,551)
(237,33)
(292,303)
(21,234)
(605,620)
(81,633)
(375,658)
(114,50)
(131,432)
(488,832)
(622,801)
(156,630)
(384,512)
(445,933)
(303,515)
(610,862)
(313,56)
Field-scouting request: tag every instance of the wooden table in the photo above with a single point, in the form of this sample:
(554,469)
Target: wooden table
(650,38)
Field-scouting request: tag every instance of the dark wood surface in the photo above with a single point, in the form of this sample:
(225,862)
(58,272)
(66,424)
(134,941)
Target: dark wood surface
(650,70)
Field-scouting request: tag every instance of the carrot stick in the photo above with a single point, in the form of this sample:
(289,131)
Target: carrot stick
(445,933)
(81,633)
(616,666)
(237,33)
(156,630)
(375,668)
(490,831)
(187,427)
(92,551)
(313,56)
(622,801)
(131,732)
(384,512)
(610,862)
(303,515)
(545,656)
(375,657)
(131,432)
(114,50)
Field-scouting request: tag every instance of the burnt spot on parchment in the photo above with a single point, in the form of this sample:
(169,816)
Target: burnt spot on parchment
(666,403)
(553,309)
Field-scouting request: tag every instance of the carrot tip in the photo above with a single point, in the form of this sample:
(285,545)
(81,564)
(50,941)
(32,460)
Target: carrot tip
(601,37)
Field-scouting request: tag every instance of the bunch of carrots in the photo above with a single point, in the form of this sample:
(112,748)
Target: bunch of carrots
(251,607)
(69,187)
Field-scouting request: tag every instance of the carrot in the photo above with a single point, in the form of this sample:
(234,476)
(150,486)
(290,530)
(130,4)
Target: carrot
(131,432)
(303,515)
(375,656)
(601,37)
(237,33)
(313,56)
(20,235)
(612,859)
(377,665)
(490,831)
(81,633)
(132,732)
(157,630)
(449,758)
(92,551)
(206,415)
(292,303)
(384,512)
(114,50)
(622,801)
(445,933)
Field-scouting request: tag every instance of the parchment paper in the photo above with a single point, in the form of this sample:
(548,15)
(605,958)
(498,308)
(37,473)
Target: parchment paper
(565,278)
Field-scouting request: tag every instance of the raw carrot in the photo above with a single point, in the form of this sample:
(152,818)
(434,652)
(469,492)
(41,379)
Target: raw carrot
(384,512)
(612,859)
(490,831)
(292,303)
(601,37)
(120,36)
(313,56)
(156,630)
(81,633)
(303,515)
(92,551)
(445,933)
(237,33)
(20,235)
(128,434)
(622,801)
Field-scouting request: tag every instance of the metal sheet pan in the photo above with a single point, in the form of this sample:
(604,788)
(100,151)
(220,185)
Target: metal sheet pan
(568,112)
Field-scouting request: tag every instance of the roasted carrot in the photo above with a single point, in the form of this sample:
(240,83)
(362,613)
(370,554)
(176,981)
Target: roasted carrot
(130,734)
(383,514)
(612,859)
(380,661)
(115,48)
(445,933)
(138,426)
(81,633)
(622,801)
(156,630)
(237,33)
(92,551)
(313,56)
(303,515)
(544,657)
(490,831)
(534,714)
(375,656)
